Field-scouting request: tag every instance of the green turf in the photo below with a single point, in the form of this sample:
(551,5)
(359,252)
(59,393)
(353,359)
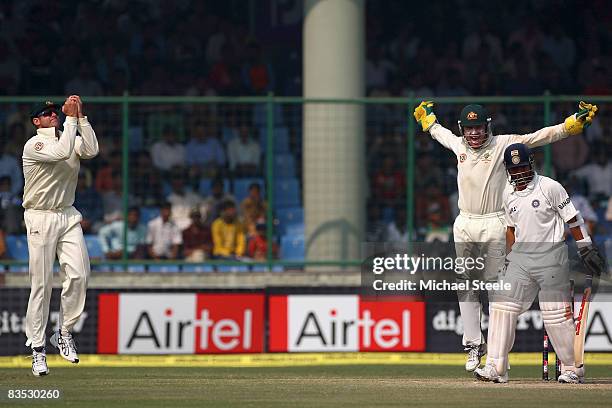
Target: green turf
(337,386)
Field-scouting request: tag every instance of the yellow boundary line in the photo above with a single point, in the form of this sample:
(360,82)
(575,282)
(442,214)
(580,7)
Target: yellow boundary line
(286,360)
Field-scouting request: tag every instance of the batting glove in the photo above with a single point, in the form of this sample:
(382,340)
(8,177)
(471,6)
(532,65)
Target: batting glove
(580,120)
(424,115)
(592,260)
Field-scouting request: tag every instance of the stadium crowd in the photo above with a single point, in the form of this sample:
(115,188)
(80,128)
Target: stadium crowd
(191,158)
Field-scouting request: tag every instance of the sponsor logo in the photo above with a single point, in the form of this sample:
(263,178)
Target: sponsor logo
(38,146)
(15,323)
(564,203)
(535,203)
(180,323)
(472,116)
(462,157)
(345,323)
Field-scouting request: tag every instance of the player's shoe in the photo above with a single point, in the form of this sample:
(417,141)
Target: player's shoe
(39,363)
(66,346)
(580,373)
(569,377)
(488,373)
(474,354)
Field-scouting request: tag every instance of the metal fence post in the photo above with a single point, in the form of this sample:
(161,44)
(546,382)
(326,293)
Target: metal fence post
(270,176)
(125,128)
(547,148)
(410,169)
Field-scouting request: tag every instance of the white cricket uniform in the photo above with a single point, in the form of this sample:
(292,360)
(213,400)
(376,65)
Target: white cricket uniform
(479,228)
(538,263)
(50,168)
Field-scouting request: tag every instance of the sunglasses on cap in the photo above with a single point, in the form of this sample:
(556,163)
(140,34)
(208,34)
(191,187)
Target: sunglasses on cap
(48,112)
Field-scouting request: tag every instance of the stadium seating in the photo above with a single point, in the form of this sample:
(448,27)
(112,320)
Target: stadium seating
(232,268)
(163,268)
(197,268)
(281,139)
(287,193)
(205,185)
(17,247)
(241,187)
(284,165)
(94,248)
(147,214)
(292,247)
(260,114)
(290,218)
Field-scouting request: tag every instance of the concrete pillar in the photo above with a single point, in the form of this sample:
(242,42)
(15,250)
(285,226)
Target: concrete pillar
(333,134)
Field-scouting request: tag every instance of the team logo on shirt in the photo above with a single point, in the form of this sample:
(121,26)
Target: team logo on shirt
(535,203)
(38,146)
(462,157)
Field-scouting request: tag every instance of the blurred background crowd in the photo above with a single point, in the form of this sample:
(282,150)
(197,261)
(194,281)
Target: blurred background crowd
(197,179)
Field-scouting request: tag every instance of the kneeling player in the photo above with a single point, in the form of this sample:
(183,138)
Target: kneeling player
(537,261)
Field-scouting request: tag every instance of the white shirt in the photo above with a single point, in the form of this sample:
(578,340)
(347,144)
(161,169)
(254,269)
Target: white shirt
(481,175)
(163,235)
(599,177)
(182,206)
(539,212)
(165,156)
(51,165)
(243,153)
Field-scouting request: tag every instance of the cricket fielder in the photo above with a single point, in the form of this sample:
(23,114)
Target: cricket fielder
(51,161)
(479,229)
(535,213)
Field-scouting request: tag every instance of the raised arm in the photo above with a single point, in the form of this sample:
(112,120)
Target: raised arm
(50,150)
(85,146)
(573,125)
(425,117)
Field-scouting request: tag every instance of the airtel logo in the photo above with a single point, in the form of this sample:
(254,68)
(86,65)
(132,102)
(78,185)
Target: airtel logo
(386,333)
(224,334)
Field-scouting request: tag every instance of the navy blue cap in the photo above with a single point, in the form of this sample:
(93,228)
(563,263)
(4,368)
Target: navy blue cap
(41,107)
(517,155)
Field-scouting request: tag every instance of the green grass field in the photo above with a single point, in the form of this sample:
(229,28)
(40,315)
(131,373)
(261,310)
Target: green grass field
(314,386)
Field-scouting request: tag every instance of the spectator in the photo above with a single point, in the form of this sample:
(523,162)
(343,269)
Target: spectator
(182,200)
(105,177)
(11,207)
(597,173)
(3,252)
(89,203)
(18,136)
(111,237)
(378,69)
(204,153)
(168,152)
(244,154)
(85,83)
(257,73)
(389,183)
(212,203)
(197,239)
(228,234)
(145,182)
(253,208)
(163,236)
(437,228)
(397,230)
(224,75)
(432,203)
(575,188)
(569,154)
(112,200)
(258,245)
(9,166)
(376,225)
(599,83)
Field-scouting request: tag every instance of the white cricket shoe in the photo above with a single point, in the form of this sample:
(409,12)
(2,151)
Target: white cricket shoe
(39,363)
(488,373)
(474,355)
(569,377)
(66,346)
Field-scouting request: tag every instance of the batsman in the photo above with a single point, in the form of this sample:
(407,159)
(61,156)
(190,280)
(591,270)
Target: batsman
(535,213)
(479,229)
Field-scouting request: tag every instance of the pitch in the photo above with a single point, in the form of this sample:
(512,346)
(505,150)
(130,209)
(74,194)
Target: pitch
(313,386)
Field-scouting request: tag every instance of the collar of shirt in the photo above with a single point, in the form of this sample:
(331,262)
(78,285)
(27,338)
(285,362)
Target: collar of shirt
(47,132)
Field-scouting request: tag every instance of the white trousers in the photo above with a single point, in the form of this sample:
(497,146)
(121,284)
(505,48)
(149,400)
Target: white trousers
(478,236)
(54,233)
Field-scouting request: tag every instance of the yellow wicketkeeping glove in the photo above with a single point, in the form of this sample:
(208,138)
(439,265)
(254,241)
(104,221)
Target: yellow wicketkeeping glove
(424,115)
(580,120)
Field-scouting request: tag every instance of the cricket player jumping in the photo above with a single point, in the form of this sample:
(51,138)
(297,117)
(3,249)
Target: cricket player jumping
(479,229)
(535,213)
(51,162)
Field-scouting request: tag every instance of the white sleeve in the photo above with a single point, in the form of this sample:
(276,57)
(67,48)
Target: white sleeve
(150,227)
(86,146)
(177,236)
(49,150)
(507,221)
(561,201)
(540,137)
(445,137)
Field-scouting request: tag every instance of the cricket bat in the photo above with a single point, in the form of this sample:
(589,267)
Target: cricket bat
(582,322)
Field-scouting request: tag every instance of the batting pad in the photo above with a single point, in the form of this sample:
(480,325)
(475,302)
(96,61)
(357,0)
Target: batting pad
(559,325)
(502,325)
